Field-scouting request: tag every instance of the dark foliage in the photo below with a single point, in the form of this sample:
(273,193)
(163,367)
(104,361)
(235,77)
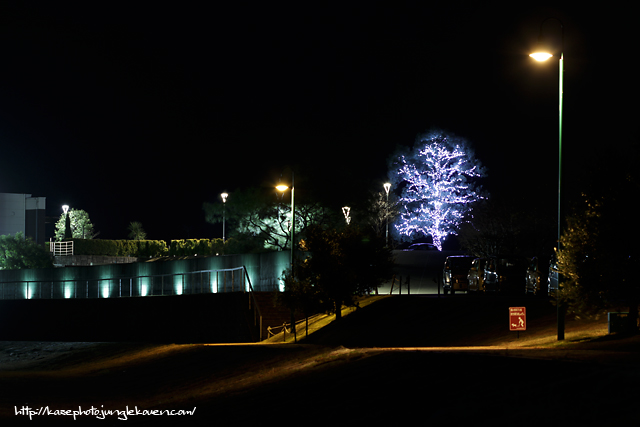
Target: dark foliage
(17,253)
(340,265)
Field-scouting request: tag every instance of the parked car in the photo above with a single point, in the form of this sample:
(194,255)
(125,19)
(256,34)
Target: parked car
(536,282)
(475,276)
(454,273)
(504,275)
(421,247)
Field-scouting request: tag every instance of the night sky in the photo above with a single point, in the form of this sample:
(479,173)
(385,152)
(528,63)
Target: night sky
(142,113)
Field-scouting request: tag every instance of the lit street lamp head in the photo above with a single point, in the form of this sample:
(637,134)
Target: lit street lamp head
(541,56)
(65,208)
(281,187)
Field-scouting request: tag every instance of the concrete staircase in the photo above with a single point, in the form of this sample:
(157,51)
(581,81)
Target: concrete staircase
(272,315)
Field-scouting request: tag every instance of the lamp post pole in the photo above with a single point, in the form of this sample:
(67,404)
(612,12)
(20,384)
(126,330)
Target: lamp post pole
(543,55)
(67,222)
(387,186)
(224,214)
(283,188)
(293,227)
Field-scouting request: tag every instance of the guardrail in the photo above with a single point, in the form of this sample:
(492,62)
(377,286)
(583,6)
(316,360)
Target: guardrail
(61,248)
(195,282)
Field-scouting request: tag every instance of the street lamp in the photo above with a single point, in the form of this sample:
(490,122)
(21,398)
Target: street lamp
(346,210)
(543,54)
(67,222)
(387,186)
(284,188)
(224,214)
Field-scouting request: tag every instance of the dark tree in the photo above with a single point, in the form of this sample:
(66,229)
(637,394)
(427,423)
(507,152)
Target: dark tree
(265,215)
(382,211)
(599,260)
(16,253)
(599,255)
(342,264)
(499,227)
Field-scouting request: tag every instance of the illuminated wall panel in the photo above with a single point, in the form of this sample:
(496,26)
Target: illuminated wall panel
(105,288)
(144,286)
(145,279)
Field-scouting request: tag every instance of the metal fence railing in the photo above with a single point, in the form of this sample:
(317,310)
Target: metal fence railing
(195,282)
(61,248)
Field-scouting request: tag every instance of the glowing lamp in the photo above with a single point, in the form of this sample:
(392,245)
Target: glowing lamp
(65,209)
(281,187)
(541,56)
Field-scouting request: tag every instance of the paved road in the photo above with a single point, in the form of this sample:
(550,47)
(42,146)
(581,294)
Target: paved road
(423,268)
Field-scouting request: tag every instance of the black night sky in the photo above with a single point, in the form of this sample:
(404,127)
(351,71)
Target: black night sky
(142,112)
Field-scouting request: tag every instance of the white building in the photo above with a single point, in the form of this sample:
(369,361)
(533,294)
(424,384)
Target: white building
(23,213)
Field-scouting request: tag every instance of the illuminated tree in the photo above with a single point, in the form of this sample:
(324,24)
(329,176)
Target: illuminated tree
(437,178)
(81,226)
(16,253)
(264,216)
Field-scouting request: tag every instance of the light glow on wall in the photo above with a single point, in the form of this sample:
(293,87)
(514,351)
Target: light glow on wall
(28,291)
(105,289)
(144,286)
(68,289)
(178,284)
(213,282)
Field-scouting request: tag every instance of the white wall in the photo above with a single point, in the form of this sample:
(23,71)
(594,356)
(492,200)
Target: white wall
(12,213)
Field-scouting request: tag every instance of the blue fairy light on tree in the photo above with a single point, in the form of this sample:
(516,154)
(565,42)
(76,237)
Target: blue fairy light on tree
(438,180)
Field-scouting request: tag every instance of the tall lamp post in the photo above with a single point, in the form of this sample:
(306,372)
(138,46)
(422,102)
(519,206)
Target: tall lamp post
(387,186)
(284,188)
(542,54)
(224,214)
(67,222)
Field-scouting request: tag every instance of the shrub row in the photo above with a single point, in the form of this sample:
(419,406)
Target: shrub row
(158,248)
(191,247)
(133,248)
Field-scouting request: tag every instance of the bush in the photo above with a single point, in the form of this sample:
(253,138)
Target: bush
(190,247)
(133,248)
(18,252)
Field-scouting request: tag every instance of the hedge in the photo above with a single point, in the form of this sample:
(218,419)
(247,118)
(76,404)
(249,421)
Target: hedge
(148,248)
(133,248)
(158,248)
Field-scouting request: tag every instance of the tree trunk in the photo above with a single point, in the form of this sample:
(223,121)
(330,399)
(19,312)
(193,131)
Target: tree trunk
(631,326)
(338,309)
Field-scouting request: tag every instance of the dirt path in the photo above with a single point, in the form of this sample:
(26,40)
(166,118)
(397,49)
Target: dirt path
(254,382)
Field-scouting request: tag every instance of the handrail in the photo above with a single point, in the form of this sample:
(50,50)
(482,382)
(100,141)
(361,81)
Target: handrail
(25,289)
(61,248)
(255,302)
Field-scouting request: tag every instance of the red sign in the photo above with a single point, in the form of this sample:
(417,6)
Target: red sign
(517,318)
